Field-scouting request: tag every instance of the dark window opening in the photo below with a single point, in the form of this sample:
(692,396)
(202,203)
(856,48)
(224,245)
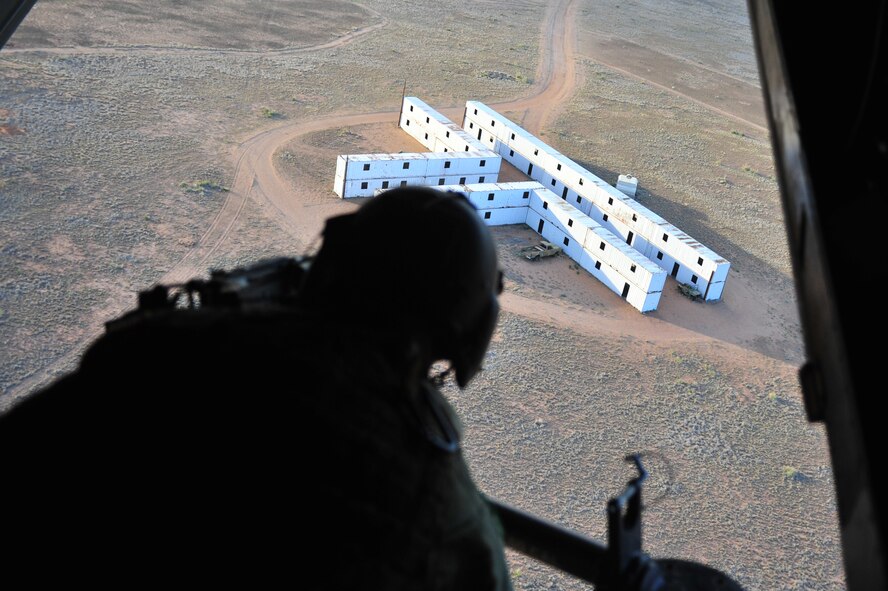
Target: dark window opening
(493,123)
(545,205)
(366,167)
(665,238)
(553,182)
(536,152)
(597,264)
(558,167)
(625,290)
(540,227)
(445,149)
(479,133)
(629,240)
(632,268)
(513,136)
(447,134)
(447,164)
(694,279)
(486,215)
(601,246)
(483,162)
(440,181)
(579,199)
(526,195)
(406,165)
(581,181)
(363,185)
(659,256)
(427,119)
(467,148)
(462,180)
(604,217)
(476,111)
(610,200)
(471,126)
(570,223)
(529,169)
(566,241)
(408,123)
(490,196)
(403,183)
(511,152)
(675,269)
(411,107)
(385,184)
(426,136)
(564,193)
(480,179)
(634,218)
(699,260)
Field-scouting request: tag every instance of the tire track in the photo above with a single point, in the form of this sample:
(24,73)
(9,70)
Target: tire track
(172,50)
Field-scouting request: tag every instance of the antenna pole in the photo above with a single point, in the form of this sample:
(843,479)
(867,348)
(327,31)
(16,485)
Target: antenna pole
(403,94)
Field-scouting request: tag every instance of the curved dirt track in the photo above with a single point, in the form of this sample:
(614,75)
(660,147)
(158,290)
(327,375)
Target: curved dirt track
(172,50)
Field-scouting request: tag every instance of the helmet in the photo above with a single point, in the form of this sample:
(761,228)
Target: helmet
(415,264)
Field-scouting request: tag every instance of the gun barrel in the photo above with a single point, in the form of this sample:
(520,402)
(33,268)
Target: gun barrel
(550,543)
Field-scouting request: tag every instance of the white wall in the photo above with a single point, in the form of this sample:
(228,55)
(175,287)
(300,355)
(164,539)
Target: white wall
(624,214)
(489,196)
(503,217)
(446,133)
(619,263)
(635,268)
(352,180)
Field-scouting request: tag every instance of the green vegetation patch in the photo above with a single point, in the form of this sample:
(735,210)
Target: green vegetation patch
(203,187)
(270,113)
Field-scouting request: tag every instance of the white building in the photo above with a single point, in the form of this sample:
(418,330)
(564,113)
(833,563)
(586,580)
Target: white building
(607,257)
(455,158)
(436,132)
(662,243)
(360,175)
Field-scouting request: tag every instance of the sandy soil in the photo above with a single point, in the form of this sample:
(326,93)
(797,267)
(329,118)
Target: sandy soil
(64,26)
(575,379)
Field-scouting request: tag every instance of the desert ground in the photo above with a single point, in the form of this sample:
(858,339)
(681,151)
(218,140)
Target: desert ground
(142,146)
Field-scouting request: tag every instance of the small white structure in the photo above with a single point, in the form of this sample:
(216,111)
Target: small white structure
(662,243)
(455,158)
(607,257)
(627,184)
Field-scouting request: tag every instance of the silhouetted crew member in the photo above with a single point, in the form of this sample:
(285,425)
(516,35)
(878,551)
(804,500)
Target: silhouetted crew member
(265,442)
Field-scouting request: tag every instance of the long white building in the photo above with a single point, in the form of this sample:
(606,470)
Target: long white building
(360,175)
(659,241)
(607,257)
